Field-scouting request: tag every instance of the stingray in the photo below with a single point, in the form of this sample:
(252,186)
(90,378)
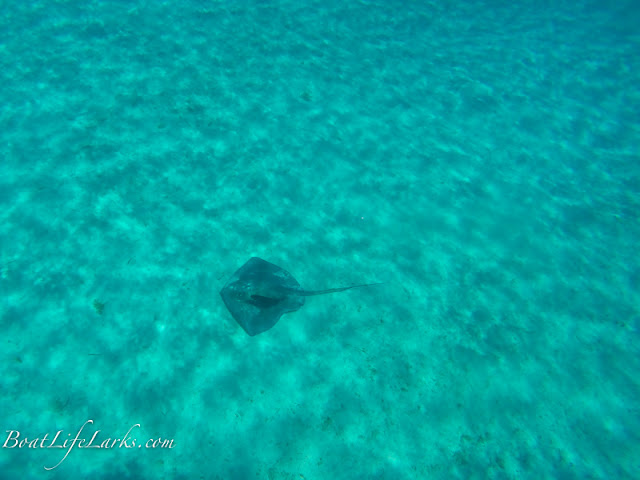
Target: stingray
(259,293)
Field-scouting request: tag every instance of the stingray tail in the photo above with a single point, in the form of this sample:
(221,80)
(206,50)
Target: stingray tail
(333,290)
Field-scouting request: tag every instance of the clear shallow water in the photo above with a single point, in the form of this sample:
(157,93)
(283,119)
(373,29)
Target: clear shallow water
(482,160)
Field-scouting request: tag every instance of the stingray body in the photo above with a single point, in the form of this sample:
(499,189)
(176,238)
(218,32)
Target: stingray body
(259,293)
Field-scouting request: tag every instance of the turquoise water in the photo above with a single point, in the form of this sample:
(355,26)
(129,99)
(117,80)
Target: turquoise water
(480,158)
